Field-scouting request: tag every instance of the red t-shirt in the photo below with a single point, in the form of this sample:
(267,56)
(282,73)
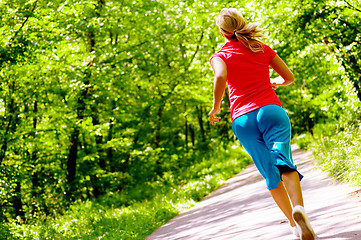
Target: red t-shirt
(248,77)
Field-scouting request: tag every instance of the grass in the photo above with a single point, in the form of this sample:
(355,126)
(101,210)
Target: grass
(167,197)
(336,149)
(93,221)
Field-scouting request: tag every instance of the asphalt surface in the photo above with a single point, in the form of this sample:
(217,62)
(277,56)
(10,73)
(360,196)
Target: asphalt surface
(243,209)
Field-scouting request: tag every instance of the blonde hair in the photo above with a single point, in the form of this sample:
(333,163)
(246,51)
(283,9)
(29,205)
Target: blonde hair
(233,26)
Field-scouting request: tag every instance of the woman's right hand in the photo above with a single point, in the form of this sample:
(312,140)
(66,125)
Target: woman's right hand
(286,76)
(275,86)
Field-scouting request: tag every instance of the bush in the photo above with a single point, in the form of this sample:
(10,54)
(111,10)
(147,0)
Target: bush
(136,213)
(337,150)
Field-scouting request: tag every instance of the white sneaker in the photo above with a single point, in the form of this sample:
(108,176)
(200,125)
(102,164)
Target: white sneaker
(303,224)
(295,231)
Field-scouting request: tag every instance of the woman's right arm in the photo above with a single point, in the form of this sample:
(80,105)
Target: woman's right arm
(281,68)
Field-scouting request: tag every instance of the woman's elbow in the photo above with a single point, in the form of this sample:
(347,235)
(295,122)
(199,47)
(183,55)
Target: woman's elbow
(289,79)
(220,77)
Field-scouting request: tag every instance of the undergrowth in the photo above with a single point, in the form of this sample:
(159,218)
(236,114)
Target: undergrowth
(336,149)
(129,216)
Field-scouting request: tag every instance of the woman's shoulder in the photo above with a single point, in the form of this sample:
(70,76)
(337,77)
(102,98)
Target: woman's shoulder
(267,47)
(224,52)
(269,51)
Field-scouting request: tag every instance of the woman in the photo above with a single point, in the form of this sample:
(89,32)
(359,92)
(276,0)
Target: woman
(259,122)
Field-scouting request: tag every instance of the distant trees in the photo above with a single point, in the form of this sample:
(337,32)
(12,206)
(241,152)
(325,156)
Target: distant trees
(98,96)
(320,40)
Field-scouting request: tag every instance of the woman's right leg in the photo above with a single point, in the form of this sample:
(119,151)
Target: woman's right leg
(248,133)
(276,131)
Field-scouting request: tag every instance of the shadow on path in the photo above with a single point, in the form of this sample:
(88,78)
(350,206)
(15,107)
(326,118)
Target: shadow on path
(243,209)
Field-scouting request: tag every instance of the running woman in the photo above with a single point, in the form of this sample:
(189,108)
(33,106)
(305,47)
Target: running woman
(259,121)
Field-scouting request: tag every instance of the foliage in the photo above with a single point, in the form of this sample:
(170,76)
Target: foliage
(310,36)
(336,149)
(335,23)
(110,218)
(326,72)
(96,99)
(106,98)
(336,146)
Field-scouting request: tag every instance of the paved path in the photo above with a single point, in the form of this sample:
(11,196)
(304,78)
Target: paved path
(242,209)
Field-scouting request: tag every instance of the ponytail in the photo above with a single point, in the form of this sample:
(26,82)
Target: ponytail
(233,26)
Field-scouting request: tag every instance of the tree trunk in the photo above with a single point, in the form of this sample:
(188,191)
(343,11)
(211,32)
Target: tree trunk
(200,121)
(97,189)
(186,133)
(357,76)
(158,126)
(157,137)
(71,165)
(74,142)
(12,117)
(17,203)
(98,138)
(72,158)
(37,189)
(193,137)
(110,137)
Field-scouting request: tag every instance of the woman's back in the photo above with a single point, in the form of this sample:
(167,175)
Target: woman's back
(247,77)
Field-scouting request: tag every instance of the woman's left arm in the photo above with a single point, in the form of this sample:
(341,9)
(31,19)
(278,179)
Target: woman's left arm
(220,79)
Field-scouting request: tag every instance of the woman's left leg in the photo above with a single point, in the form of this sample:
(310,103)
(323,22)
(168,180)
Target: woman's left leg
(291,181)
(280,196)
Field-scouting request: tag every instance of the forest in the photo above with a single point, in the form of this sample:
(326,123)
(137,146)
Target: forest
(105,103)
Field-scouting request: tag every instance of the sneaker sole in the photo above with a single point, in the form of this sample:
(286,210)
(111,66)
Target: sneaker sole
(306,232)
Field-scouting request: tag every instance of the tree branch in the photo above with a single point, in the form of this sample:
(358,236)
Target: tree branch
(23,24)
(353,7)
(349,25)
(196,51)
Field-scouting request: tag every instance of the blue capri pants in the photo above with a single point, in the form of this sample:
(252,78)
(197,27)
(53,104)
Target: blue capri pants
(265,134)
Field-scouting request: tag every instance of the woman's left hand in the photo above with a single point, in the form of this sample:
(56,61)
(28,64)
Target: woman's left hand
(211,114)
